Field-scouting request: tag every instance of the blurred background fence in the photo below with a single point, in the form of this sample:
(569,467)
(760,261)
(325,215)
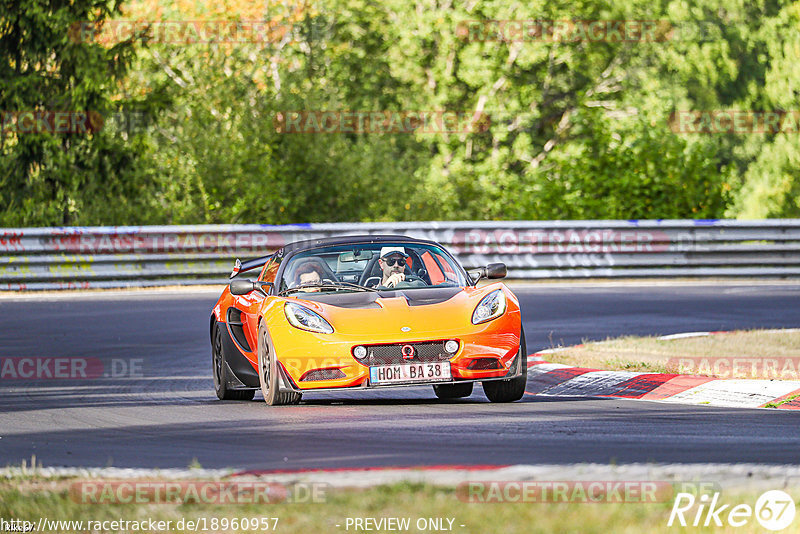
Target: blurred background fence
(99,257)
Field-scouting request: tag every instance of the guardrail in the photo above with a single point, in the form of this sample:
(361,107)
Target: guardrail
(99,257)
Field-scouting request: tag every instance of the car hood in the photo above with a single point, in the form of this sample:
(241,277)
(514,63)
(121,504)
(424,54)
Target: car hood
(371,299)
(401,313)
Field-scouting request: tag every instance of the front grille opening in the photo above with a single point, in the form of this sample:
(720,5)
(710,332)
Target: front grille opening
(322,374)
(392,353)
(237,328)
(484,364)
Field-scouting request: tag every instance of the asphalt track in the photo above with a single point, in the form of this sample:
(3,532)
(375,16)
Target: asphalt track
(168,415)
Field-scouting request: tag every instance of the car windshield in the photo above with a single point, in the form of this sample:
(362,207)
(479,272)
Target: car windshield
(369,266)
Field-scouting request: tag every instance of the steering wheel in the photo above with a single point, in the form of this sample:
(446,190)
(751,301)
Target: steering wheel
(376,280)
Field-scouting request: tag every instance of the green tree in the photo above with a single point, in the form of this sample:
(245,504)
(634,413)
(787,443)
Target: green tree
(578,129)
(217,148)
(61,178)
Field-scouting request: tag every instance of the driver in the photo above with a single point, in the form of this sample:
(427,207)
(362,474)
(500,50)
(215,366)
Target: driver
(392,262)
(308,274)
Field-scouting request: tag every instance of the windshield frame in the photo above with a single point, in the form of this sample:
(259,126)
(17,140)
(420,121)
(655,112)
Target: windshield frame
(464,281)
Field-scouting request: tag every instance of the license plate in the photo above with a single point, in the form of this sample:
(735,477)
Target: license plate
(409,373)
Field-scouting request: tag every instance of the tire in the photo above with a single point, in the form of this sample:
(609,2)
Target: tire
(511,389)
(220,371)
(268,373)
(453,391)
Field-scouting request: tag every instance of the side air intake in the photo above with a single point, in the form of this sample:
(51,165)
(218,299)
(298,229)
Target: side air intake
(237,329)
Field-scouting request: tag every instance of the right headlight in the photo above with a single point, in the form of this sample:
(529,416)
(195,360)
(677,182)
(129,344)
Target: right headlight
(305,319)
(490,307)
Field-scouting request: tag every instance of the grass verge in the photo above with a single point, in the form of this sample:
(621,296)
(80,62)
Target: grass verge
(32,499)
(764,354)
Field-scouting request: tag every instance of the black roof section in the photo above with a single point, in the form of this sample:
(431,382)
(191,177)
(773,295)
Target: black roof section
(321,242)
(346,240)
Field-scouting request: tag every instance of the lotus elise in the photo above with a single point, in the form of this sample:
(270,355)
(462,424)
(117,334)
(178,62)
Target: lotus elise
(366,312)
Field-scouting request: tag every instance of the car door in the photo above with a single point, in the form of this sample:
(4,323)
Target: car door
(243,315)
(252,301)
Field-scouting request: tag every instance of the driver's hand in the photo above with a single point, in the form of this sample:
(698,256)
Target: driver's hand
(394,279)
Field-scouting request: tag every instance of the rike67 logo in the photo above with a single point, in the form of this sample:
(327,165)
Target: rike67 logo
(774,510)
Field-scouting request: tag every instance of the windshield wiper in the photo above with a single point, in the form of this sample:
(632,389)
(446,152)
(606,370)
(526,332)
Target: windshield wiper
(327,285)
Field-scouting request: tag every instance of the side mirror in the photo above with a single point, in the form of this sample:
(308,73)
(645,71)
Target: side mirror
(496,270)
(245,287)
(493,271)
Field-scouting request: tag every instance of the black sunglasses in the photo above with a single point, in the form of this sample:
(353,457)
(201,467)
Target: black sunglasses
(399,261)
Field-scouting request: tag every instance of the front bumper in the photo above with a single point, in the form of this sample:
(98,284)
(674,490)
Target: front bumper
(296,360)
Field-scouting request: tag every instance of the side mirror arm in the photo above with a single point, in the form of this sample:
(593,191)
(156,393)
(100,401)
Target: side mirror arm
(476,275)
(260,287)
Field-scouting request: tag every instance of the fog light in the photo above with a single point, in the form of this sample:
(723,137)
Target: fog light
(360,352)
(451,346)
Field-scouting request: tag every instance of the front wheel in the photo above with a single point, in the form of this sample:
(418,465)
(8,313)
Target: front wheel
(511,389)
(268,373)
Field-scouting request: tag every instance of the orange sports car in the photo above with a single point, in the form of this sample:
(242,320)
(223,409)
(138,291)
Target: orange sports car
(361,312)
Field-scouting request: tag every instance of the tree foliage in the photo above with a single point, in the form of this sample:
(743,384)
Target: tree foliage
(577,129)
(52,177)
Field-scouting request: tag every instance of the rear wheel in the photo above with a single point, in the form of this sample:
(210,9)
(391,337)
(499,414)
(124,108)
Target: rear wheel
(268,373)
(453,391)
(511,389)
(221,374)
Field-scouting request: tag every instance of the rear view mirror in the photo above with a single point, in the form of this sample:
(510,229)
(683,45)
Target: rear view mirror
(355,255)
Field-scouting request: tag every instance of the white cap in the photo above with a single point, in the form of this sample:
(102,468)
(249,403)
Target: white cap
(385,251)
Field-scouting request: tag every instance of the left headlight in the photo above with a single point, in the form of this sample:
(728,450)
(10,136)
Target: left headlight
(490,307)
(305,319)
